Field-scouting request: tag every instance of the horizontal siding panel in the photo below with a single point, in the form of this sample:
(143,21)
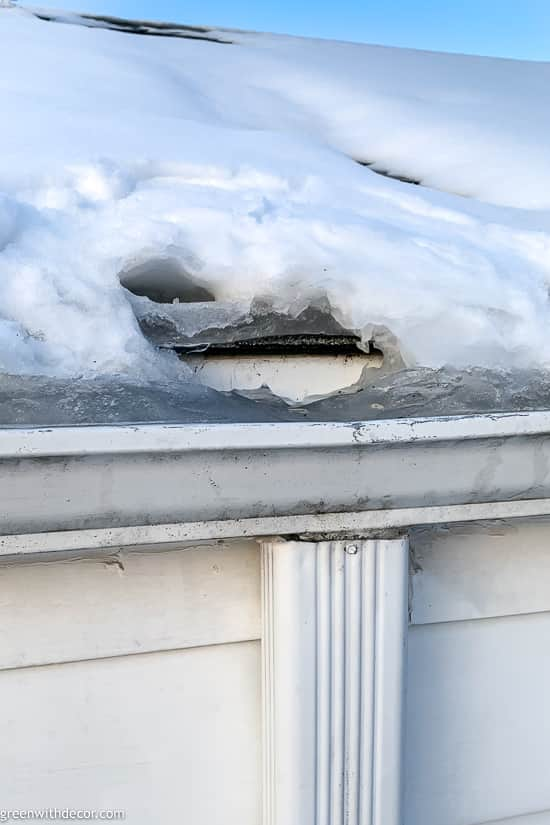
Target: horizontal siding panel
(478,720)
(169,737)
(135,603)
(480,571)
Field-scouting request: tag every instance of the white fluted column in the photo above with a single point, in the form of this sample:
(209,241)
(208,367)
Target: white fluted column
(334,639)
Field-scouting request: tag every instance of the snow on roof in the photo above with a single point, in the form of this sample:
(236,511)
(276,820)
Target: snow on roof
(251,161)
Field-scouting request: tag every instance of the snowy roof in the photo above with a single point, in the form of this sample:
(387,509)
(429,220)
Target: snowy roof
(405,191)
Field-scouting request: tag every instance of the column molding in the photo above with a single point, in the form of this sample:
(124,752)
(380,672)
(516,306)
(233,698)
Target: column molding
(333,653)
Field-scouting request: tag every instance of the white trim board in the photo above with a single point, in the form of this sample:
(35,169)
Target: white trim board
(70,541)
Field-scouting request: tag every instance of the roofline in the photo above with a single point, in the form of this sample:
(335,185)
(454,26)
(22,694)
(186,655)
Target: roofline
(164,484)
(37,442)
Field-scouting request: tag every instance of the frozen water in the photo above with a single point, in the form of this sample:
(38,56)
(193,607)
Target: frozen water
(33,401)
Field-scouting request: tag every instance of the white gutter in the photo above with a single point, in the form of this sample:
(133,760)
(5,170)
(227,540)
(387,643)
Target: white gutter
(177,438)
(83,487)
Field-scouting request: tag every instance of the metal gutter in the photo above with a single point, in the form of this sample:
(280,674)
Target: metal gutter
(163,483)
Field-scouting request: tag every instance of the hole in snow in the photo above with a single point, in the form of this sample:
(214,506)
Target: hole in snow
(164,281)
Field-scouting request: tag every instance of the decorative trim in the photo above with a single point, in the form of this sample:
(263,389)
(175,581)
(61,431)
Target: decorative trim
(334,636)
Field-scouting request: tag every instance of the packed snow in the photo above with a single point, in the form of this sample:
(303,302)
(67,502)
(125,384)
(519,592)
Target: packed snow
(250,160)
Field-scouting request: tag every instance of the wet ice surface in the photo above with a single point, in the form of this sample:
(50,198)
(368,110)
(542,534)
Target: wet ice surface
(36,402)
(420,392)
(33,402)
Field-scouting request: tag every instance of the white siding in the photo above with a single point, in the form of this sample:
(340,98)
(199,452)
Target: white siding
(474,571)
(59,612)
(170,737)
(134,684)
(478,709)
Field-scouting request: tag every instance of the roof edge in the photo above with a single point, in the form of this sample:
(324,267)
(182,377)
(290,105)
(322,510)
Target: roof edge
(88,440)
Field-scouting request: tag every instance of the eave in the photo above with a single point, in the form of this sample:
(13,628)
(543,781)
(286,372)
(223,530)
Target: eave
(105,487)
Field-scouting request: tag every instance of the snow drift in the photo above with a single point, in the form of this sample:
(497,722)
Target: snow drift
(251,160)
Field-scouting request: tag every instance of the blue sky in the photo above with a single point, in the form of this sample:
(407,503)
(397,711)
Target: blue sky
(507,28)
